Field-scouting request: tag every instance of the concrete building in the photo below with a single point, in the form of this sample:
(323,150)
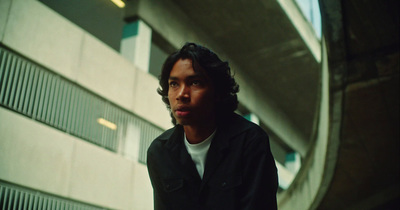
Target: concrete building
(78,101)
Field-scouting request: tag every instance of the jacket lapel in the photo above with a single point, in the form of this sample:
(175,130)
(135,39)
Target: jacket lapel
(219,146)
(216,154)
(179,153)
(226,130)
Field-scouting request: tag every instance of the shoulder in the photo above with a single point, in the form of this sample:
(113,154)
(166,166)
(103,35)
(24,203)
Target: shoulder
(160,141)
(168,138)
(255,131)
(250,133)
(237,125)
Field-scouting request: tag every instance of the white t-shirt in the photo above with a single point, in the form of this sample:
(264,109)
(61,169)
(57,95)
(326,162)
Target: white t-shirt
(198,152)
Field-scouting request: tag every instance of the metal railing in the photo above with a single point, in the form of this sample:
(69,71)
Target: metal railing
(16,197)
(36,92)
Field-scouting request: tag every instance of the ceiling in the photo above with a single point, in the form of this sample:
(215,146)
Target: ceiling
(259,37)
(363,50)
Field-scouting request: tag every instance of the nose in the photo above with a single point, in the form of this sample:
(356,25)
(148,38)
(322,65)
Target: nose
(183,94)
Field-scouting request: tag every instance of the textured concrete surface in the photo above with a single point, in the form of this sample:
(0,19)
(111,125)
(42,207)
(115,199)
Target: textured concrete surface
(64,48)
(364,60)
(104,71)
(52,161)
(36,156)
(35,31)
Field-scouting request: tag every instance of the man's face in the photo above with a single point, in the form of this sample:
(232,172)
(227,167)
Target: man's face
(190,95)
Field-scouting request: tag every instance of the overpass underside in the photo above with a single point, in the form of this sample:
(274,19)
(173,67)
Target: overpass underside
(334,101)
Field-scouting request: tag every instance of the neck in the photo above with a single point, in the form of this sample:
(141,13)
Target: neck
(197,134)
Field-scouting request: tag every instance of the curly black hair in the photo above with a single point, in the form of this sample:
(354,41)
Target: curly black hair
(218,71)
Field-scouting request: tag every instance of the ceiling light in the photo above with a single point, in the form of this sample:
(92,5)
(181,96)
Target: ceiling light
(119,3)
(107,123)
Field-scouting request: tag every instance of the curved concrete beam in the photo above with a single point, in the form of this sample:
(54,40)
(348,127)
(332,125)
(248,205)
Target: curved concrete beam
(306,32)
(313,179)
(271,115)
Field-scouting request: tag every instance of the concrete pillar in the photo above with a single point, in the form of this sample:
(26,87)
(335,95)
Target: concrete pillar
(253,118)
(131,142)
(293,162)
(136,44)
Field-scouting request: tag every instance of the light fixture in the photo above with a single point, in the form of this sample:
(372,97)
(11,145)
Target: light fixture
(107,123)
(119,3)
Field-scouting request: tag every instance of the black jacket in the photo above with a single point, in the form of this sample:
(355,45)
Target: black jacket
(240,171)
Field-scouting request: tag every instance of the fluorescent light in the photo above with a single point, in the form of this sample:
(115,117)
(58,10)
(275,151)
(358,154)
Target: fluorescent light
(107,123)
(119,3)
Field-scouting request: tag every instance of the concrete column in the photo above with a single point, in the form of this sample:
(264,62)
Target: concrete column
(131,142)
(293,162)
(136,44)
(253,118)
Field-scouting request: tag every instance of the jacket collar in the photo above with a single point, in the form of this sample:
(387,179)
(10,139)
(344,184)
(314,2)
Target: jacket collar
(226,130)
(178,152)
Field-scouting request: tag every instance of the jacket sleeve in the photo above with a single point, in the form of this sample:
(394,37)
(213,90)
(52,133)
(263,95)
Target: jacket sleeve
(260,180)
(159,200)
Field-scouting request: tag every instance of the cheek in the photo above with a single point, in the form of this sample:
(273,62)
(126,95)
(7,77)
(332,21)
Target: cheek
(206,99)
(170,95)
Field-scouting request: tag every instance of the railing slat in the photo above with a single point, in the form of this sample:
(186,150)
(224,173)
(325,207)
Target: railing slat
(36,92)
(17,197)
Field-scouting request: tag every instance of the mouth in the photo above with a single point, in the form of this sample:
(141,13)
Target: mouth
(182,111)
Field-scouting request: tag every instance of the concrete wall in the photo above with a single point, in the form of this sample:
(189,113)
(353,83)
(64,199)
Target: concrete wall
(40,157)
(42,35)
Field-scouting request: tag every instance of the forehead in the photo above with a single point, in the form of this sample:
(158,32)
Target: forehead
(184,67)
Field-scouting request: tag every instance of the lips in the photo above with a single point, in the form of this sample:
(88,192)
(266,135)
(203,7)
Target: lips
(182,111)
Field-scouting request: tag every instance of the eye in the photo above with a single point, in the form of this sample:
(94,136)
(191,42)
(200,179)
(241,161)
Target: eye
(173,84)
(196,83)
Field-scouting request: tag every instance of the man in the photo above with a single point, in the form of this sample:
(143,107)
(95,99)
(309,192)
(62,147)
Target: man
(212,158)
